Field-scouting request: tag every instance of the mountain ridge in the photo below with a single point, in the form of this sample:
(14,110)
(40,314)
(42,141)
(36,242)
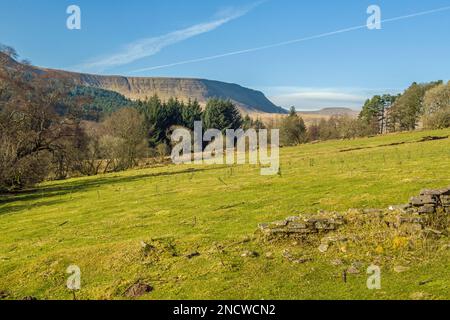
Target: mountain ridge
(139,88)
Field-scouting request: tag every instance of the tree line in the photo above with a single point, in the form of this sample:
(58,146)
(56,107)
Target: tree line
(53,129)
(424,105)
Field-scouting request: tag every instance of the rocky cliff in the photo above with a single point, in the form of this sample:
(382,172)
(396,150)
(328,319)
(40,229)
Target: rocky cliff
(140,88)
(248,100)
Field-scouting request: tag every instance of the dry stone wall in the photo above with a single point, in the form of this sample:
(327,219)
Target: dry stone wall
(430,209)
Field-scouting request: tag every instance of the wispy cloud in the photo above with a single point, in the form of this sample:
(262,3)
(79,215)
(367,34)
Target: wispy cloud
(150,46)
(290,42)
(317,98)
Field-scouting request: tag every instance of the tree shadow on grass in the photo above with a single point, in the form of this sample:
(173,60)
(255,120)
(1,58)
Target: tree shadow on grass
(7,201)
(15,208)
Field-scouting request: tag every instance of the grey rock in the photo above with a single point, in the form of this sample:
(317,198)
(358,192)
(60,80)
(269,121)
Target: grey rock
(323,248)
(400,207)
(337,262)
(427,208)
(280,223)
(269,255)
(428,192)
(138,290)
(353,270)
(249,254)
(401,269)
(422,200)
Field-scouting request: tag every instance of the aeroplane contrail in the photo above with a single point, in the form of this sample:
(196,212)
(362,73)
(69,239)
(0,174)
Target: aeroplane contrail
(284,43)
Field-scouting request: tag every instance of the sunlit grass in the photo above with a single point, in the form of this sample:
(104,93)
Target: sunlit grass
(98,223)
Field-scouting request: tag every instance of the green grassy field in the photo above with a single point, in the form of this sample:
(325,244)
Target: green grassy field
(98,223)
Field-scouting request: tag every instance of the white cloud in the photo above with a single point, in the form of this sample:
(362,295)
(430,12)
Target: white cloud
(318,98)
(150,46)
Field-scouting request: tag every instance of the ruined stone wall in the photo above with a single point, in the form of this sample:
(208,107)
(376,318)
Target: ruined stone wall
(428,211)
(298,227)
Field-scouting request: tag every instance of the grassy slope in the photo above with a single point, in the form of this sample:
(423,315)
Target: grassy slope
(98,223)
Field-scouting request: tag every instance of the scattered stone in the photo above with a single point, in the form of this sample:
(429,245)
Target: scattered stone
(323,248)
(29,298)
(193,255)
(401,269)
(337,262)
(301,260)
(269,255)
(293,259)
(137,290)
(249,254)
(421,296)
(353,270)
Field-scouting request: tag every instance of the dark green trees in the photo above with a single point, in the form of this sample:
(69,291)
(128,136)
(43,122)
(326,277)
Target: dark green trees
(375,113)
(190,113)
(221,115)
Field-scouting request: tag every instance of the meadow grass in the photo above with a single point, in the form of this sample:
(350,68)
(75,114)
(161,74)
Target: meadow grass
(98,223)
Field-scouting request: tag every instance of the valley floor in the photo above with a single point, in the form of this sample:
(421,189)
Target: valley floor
(211,213)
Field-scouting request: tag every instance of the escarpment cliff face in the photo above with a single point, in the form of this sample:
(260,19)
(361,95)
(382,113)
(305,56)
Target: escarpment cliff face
(248,100)
(135,88)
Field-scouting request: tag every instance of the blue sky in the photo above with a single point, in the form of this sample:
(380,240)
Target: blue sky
(341,70)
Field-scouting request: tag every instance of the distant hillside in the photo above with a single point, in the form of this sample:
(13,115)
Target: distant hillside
(310,117)
(332,112)
(248,100)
